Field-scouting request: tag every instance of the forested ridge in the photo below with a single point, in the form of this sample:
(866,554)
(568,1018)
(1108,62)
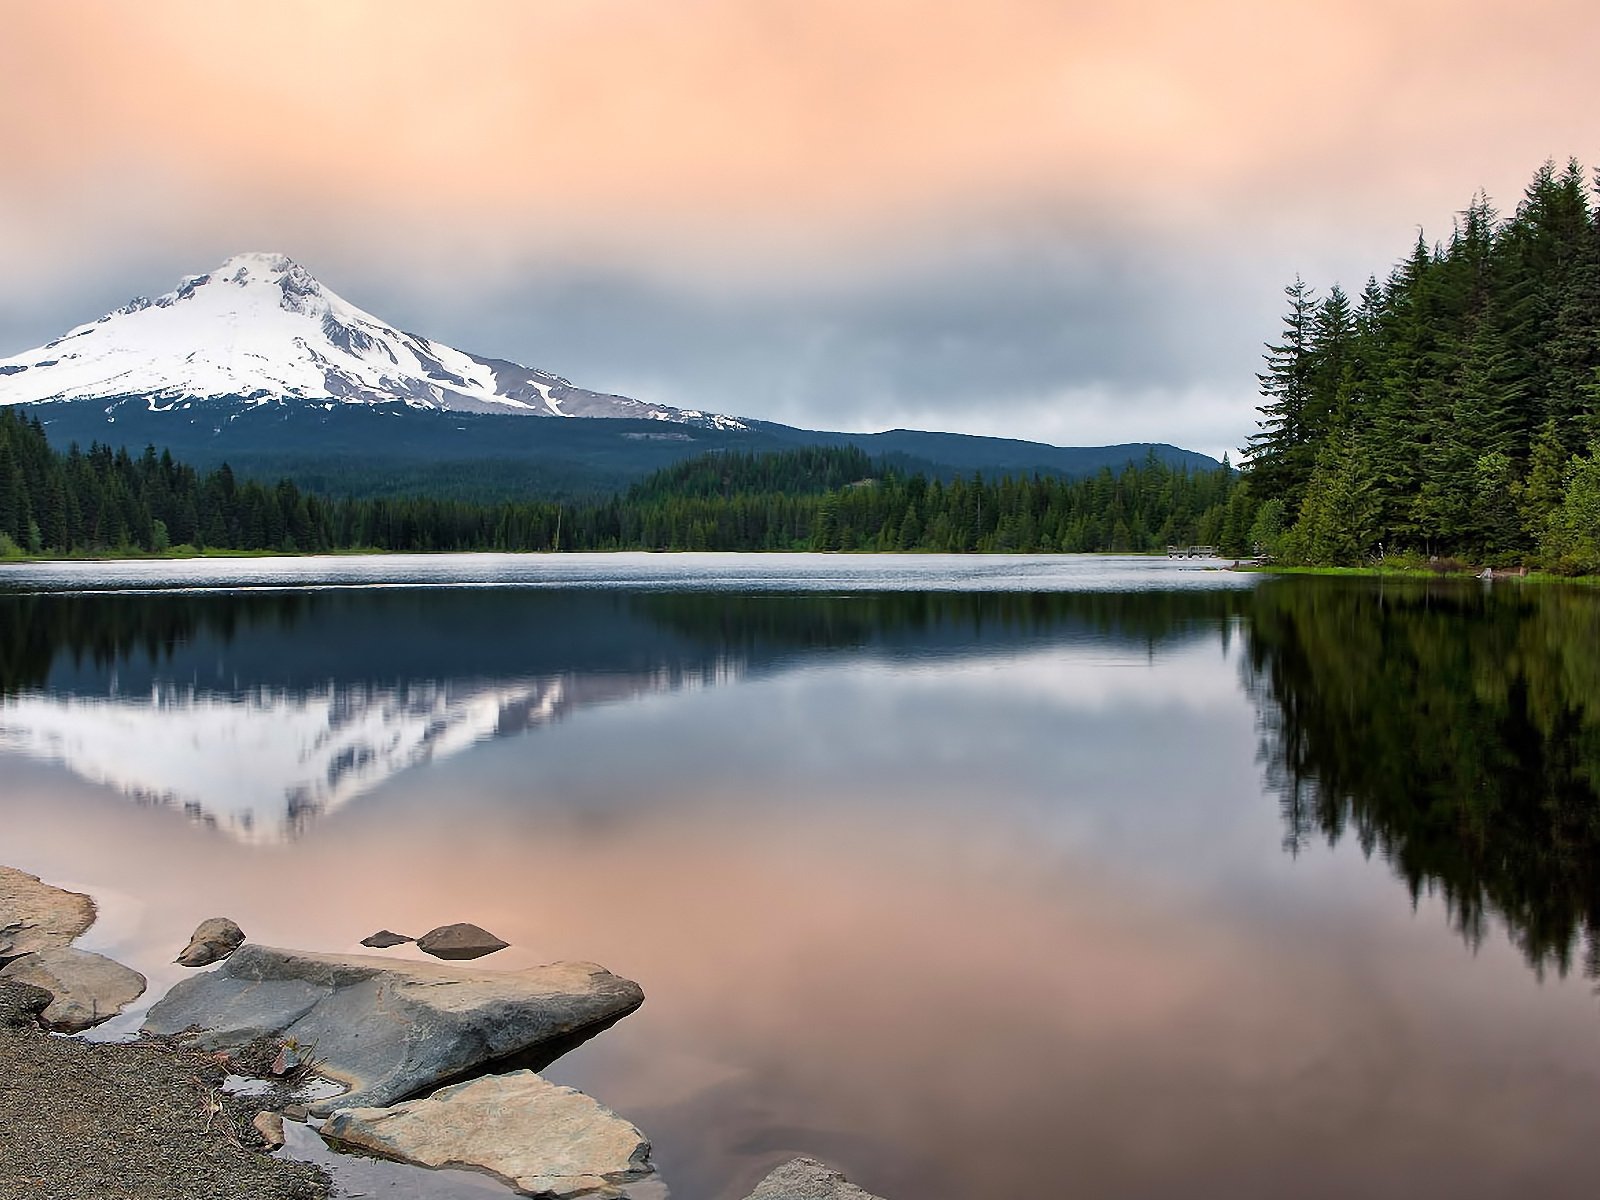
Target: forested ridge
(833,498)
(1450,409)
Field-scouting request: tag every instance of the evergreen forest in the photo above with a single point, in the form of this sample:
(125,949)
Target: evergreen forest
(818,498)
(1450,409)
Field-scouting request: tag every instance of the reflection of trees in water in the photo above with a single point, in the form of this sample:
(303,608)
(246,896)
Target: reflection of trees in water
(103,631)
(1453,730)
(399,635)
(349,687)
(799,620)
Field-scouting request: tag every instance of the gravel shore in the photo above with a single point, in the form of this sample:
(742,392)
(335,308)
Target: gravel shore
(137,1121)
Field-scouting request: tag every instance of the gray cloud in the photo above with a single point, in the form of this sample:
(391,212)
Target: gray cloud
(1074,333)
(1011,340)
(1079,334)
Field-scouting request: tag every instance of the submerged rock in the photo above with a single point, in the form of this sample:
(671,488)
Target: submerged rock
(35,916)
(390,1029)
(214,939)
(543,1139)
(462,940)
(385,938)
(807,1179)
(85,988)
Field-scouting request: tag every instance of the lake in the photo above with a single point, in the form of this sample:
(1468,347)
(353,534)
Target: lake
(974,876)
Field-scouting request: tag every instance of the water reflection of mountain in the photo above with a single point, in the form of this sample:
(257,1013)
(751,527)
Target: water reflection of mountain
(1453,730)
(259,712)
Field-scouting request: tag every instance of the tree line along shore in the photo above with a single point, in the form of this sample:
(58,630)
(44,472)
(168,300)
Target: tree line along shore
(1452,408)
(105,501)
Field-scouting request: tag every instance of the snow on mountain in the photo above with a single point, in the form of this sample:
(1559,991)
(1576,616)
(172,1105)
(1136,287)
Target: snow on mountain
(261,328)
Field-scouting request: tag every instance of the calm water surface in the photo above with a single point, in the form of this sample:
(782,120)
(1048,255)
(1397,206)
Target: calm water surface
(978,877)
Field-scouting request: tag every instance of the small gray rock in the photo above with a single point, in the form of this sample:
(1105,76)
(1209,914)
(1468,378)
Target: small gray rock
(85,988)
(270,1126)
(295,1112)
(385,938)
(462,940)
(807,1179)
(214,939)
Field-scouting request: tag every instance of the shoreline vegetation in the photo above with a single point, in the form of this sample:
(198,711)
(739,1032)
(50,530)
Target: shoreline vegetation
(1460,574)
(1452,408)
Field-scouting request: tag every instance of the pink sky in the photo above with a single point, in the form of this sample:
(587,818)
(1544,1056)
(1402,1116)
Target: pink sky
(799,176)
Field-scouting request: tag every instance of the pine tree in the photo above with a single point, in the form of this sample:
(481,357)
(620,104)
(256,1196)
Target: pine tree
(1279,458)
(1542,491)
(1338,517)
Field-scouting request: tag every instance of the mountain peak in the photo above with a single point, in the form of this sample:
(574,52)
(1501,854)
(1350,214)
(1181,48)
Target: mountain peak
(261,328)
(257,260)
(297,290)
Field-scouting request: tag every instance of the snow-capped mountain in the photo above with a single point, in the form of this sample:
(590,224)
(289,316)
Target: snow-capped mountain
(260,328)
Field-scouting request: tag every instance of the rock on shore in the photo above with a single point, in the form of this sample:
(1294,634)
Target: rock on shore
(807,1179)
(85,988)
(35,916)
(214,939)
(390,1029)
(543,1139)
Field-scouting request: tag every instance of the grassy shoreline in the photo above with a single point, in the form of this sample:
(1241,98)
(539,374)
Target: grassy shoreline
(1463,574)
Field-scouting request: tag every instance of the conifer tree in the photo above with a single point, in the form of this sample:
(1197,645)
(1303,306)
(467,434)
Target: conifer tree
(1280,457)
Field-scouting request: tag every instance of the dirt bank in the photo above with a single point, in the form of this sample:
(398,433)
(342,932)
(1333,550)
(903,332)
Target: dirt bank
(138,1121)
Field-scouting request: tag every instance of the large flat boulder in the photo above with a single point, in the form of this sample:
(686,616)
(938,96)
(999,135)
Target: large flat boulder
(84,988)
(542,1139)
(35,916)
(390,1029)
(807,1179)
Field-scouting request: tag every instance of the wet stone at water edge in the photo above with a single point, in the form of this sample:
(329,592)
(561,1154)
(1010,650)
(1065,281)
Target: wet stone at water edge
(459,941)
(385,938)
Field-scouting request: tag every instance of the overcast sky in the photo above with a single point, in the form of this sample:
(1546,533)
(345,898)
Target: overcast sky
(1068,221)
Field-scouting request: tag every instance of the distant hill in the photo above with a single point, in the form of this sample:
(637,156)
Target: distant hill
(393,449)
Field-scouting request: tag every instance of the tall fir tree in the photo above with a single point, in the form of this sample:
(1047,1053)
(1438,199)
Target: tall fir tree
(1280,457)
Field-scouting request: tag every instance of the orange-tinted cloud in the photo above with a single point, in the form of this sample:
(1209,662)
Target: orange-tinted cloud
(593,122)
